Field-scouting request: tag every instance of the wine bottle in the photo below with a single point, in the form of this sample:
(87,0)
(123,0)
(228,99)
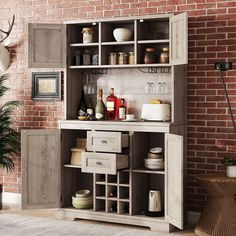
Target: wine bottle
(112,193)
(100,110)
(122,109)
(111,103)
(113,207)
(82,104)
(90,106)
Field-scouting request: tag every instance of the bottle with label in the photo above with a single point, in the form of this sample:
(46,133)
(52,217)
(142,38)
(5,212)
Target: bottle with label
(100,110)
(112,113)
(82,104)
(122,109)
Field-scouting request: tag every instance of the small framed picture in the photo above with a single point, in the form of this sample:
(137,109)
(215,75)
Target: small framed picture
(46,86)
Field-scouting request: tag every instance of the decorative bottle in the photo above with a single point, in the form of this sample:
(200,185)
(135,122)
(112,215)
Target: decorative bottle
(82,104)
(112,113)
(100,110)
(122,109)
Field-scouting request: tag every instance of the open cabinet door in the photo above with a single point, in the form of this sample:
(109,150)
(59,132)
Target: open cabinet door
(179,39)
(47,46)
(174,179)
(41,168)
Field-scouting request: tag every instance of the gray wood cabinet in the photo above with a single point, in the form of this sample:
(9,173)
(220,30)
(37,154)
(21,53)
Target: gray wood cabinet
(46,46)
(41,169)
(116,150)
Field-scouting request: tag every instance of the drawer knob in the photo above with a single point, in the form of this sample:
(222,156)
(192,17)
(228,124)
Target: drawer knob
(104,141)
(98,163)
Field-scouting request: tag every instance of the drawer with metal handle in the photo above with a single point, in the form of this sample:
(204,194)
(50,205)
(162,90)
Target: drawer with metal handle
(99,141)
(104,163)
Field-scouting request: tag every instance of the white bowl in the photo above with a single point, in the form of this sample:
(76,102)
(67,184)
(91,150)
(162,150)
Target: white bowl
(153,161)
(83,193)
(159,166)
(154,156)
(156,150)
(122,34)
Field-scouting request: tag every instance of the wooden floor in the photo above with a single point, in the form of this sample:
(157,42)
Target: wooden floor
(50,213)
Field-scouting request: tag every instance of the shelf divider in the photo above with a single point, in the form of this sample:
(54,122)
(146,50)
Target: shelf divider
(148,171)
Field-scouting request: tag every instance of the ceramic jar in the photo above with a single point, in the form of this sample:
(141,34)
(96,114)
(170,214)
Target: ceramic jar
(112,58)
(231,171)
(131,58)
(150,56)
(164,57)
(123,58)
(87,35)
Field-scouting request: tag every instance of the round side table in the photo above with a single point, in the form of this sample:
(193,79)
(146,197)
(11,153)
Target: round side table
(219,215)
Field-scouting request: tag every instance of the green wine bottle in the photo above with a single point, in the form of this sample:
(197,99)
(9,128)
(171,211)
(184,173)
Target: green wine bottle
(100,110)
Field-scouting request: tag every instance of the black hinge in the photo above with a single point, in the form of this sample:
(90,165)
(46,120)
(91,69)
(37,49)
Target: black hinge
(67,60)
(61,136)
(67,32)
(61,198)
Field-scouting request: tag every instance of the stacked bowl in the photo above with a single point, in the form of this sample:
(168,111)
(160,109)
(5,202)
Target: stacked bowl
(82,200)
(155,159)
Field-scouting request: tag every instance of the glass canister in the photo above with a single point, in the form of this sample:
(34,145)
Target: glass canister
(150,56)
(123,58)
(87,57)
(87,35)
(131,58)
(112,58)
(164,57)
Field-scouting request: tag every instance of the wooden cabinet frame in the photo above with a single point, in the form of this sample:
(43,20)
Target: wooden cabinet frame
(170,134)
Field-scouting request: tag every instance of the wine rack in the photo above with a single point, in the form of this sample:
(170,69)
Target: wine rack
(112,193)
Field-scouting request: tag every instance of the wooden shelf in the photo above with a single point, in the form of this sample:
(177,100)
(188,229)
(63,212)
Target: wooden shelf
(123,199)
(83,44)
(117,43)
(124,185)
(147,171)
(101,197)
(101,182)
(72,166)
(153,41)
(111,184)
(120,66)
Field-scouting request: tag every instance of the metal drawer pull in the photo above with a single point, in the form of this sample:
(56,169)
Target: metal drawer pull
(104,141)
(99,163)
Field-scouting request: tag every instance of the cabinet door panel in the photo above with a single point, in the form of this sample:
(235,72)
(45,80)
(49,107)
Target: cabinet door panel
(40,153)
(174,179)
(47,46)
(179,39)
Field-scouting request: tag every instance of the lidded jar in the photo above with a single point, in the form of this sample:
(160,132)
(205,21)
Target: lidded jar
(123,58)
(112,58)
(87,35)
(150,56)
(164,57)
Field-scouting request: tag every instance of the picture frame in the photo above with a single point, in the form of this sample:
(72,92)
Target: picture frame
(46,86)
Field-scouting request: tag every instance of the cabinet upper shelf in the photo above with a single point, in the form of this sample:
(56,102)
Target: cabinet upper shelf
(157,32)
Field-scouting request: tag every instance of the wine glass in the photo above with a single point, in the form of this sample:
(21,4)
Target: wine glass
(149,88)
(93,86)
(87,86)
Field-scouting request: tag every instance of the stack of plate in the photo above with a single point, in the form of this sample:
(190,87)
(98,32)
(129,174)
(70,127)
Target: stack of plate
(82,200)
(155,159)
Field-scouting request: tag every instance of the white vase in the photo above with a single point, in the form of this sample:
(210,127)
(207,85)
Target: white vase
(231,171)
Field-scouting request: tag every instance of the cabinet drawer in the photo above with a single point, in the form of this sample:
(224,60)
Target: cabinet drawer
(106,141)
(104,163)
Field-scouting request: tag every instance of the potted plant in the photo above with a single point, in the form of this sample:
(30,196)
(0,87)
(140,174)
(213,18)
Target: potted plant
(230,164)
(9,138)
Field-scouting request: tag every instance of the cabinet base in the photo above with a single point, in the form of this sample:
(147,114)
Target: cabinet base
(155,224)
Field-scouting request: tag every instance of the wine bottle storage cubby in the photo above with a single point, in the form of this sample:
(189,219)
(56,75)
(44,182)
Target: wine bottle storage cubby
(100,205)
(114,190)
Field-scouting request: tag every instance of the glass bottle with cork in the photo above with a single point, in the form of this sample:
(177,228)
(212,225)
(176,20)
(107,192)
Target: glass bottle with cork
(122,109)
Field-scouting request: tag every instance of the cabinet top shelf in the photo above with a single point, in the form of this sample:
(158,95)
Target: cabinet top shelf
(120,66)
(119,19)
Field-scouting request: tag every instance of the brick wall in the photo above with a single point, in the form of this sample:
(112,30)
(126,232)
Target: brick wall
(212,37)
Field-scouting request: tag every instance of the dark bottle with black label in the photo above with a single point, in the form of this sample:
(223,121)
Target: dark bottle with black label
(82,104)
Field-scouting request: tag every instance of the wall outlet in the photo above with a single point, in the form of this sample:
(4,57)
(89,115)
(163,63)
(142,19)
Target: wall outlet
(223,66)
